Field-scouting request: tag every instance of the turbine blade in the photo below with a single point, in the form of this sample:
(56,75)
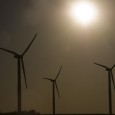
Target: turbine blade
(113,66)
(9,51)
(57,89)
(58,73)
(101,65)
(23,69)
(112,79)
(29,45)
(48,79)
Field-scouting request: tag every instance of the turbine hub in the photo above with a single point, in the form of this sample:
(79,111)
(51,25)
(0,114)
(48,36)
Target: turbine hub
(17,56)
(108,69)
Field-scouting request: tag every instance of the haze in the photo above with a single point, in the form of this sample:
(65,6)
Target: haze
(83,86)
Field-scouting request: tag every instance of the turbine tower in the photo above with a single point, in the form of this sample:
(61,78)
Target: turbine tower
(20,65)
(54,85)
(110,77)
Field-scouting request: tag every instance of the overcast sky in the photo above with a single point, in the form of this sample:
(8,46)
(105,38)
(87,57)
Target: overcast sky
(83,86)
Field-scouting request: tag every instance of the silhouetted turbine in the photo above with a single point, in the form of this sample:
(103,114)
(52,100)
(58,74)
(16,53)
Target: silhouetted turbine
(54,85)
(110,76)
(20,62)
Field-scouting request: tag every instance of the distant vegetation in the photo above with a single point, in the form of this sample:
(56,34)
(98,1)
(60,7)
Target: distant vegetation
(31,112)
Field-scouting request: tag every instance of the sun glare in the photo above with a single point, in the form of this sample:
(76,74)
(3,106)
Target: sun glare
(83,12)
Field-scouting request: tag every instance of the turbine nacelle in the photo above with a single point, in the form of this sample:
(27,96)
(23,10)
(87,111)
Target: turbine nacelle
(18,56)
(49,79)
(108,69)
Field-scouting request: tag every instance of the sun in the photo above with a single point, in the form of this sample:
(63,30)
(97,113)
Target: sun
(84,12)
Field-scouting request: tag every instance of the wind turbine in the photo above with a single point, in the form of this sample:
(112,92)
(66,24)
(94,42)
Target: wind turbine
(54,85)
(20,63)
(110,76)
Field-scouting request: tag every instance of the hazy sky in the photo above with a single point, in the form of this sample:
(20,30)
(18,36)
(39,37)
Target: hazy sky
(83,86)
